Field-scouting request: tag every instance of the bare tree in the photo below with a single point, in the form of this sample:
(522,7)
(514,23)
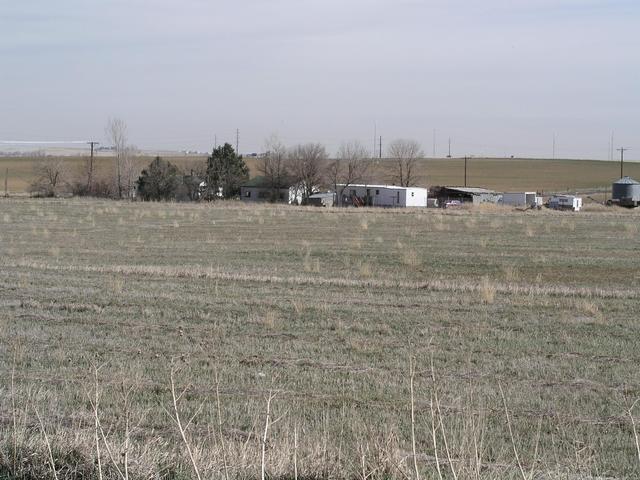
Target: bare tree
(129,170)
(405,155)
(307,166)
(350,166)
(51,176)
(273,165)
(116,132)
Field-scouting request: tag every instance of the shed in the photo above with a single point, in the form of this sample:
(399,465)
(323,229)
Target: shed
(521,199)
(326,199)
(565,202)
(626,192)
(474,195)
(260,189)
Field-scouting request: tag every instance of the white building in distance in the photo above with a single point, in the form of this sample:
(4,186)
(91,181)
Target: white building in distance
(382,195)
(565,202)
(258,189)
(521,199)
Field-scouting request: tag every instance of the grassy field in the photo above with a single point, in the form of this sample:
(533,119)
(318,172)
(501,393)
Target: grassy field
(499,174)
(516,332)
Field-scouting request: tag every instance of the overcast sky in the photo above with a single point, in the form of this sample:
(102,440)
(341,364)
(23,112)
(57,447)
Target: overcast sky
(500,77)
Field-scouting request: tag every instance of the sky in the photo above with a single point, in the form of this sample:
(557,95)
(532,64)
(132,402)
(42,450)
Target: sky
(498,77)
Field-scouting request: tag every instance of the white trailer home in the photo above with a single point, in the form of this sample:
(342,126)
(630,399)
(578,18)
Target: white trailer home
(565,202)
(521,199)
(382,196)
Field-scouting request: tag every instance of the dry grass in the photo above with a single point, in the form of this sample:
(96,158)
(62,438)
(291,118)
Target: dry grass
(224,311)
(487,290)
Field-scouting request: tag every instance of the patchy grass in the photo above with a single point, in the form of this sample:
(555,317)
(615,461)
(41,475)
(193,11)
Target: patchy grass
(319,310)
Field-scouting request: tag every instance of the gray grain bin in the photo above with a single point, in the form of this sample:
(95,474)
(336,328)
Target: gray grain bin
(626,192)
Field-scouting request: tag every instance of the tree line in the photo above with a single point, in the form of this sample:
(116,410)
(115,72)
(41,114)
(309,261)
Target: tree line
(306,166)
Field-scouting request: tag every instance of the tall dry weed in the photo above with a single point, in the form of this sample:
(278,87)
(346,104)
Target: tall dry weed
(511,273)
(487,290)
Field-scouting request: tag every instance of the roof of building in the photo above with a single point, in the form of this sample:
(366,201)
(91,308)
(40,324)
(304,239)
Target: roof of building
(626,180)
(471,190)
(393,187)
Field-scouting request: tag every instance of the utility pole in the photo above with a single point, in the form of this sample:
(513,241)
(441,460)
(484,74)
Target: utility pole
(380,153)
(237,140)
(465,170)
(449,155)
(90,173)
(6,183)
(375,137)
(553,149)
(622,150)
(215,141)
(434,143)
(612,147)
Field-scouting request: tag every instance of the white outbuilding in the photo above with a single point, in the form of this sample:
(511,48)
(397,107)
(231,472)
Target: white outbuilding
(521,199)
(362,195)
(259,189)
(565,202)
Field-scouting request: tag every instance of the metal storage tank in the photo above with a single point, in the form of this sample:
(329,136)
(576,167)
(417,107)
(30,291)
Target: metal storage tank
(626,192)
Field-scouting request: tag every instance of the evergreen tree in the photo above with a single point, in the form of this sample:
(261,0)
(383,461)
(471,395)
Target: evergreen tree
(159,181)
(225,173)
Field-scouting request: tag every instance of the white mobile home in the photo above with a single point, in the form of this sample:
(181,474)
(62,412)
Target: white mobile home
(382,196)
(521,199)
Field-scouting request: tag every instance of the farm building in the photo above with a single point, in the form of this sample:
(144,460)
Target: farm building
(326,199)
(382,196)
(259,189)
(474,195)
(565,202)
(521,199)
(626,192)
